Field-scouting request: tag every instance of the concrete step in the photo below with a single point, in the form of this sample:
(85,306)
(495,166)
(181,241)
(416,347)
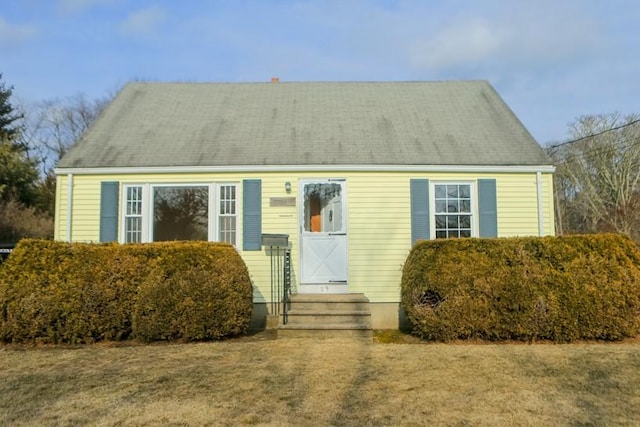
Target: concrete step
(329,302)
(325,331)
(328,315)
(326,326)
(321,317)
(355,297)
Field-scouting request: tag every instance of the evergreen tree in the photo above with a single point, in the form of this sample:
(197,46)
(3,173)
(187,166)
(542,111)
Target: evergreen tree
(21,201)
(8,116)
(18,173)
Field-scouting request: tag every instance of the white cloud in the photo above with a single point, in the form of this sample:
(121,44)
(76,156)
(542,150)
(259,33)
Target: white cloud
(462,43)
(144,22)
(75,6)
(404,39)
(530,36)
(12,35)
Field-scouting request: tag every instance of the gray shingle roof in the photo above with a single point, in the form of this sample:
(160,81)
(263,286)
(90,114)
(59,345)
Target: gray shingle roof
(359,123)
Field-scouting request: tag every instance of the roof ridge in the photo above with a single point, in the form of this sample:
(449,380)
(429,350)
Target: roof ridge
(355,82)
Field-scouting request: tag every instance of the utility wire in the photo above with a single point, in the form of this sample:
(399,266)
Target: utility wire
(589,155)
(590,152)
(631,123)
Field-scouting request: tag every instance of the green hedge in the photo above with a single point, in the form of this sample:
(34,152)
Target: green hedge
(54,292)
(551,288)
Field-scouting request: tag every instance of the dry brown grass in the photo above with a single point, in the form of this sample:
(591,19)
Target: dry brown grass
(321,382)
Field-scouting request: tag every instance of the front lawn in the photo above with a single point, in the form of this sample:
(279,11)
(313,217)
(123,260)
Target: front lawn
(321,382)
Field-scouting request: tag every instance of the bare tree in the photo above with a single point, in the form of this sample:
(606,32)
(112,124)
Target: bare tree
(48,130)
(597,184)
(52,126)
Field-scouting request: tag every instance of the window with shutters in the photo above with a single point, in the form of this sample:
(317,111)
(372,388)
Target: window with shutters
(167,212)
(454,207)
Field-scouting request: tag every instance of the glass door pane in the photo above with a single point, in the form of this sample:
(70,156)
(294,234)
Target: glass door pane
(323,208)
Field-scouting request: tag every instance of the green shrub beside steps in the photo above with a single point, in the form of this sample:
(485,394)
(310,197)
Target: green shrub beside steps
(551,288)
(55,292)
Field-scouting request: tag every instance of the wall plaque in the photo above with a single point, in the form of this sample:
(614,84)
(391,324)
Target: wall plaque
(276,202)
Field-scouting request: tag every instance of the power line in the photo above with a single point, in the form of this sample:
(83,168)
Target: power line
(588,153)
(593,152)
(631,123)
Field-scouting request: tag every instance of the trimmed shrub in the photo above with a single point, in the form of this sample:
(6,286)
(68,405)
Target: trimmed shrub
(206,295)
(552,288)
(55,292)
(58,292)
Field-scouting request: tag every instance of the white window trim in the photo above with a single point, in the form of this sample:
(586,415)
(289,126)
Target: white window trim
(475,217)
(215,221)
(147,204)
(123,211)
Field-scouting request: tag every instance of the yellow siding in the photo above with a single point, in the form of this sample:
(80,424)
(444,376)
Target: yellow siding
(379,233)
(549,207)
(86,209)
(379,225)
(517,205)
(60,220)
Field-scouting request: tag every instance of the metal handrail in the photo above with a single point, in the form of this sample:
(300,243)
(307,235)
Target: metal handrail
(280,252)
(286,294)
(280,281)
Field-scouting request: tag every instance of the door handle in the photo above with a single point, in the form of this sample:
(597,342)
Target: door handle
(337,234)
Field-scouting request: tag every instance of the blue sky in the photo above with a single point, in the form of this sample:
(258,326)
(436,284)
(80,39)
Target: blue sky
(551,60)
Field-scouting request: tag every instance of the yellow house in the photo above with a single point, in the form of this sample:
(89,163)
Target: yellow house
(351,173)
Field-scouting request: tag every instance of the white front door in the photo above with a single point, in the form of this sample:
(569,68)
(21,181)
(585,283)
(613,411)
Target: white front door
(323,236)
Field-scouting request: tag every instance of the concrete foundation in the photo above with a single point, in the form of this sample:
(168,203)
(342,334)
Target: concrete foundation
(388,315)
(259,317)
(273,321)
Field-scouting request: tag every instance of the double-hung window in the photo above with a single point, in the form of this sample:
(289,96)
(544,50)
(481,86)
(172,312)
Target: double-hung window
(453,210)
(166,212)
(227,213)
(133,215)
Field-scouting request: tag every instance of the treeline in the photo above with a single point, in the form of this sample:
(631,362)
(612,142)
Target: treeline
(32,140)
(597,180)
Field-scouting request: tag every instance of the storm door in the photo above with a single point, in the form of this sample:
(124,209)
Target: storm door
(323,236)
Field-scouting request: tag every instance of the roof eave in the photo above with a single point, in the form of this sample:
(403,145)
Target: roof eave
(306,168)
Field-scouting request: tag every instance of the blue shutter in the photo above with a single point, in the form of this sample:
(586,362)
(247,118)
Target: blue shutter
(419,210)
(488,208)
(109,211)
(252,214)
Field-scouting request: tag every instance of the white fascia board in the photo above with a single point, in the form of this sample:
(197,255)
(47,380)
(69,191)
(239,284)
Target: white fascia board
(306,168)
